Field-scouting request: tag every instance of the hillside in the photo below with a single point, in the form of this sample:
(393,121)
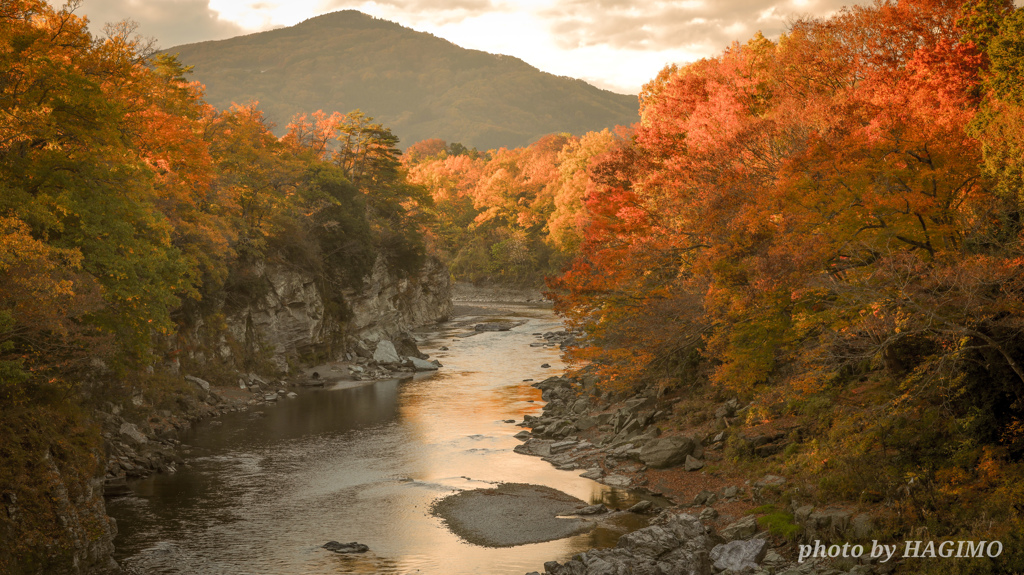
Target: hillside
(417,84)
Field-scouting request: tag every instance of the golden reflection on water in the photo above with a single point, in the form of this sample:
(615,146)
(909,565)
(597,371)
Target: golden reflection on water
(362,464)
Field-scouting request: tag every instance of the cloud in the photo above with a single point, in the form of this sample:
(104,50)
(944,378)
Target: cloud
(170,22)
(694,25)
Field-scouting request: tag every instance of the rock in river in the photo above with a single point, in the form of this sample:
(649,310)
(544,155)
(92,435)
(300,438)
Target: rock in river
(352,547)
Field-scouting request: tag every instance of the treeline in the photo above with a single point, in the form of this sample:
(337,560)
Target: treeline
(512,216)
(129,204)
(828,226)
(129,210)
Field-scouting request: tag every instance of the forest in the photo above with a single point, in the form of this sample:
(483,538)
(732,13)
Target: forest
(131,212)
(827,226)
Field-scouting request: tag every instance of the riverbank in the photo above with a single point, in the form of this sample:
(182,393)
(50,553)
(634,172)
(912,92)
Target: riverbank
(717,519)
(143,438)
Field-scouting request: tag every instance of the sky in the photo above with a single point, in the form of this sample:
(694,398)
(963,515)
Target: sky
(618,45)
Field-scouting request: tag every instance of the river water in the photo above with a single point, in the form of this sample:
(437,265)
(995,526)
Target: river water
(362,463)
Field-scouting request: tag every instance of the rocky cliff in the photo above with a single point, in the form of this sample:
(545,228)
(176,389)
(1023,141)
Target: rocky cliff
(292,324)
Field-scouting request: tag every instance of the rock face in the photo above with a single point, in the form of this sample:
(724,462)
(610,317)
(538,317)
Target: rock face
(74,516)
(290,320)
(388,305)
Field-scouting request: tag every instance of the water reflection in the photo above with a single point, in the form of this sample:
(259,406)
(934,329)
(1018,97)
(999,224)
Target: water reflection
(263,491)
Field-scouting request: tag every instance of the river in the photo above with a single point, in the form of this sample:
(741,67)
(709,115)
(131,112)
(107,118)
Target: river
(261,494)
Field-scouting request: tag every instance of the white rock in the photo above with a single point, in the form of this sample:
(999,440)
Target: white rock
(386,353)
(422,364)
(132,432)
(202,383)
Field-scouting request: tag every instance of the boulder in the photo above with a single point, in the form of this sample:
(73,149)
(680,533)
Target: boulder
(405,345)
(200,383)
(421,364)
(742,529)
(705,497)
(132,432)
(386,353)
(739,555)
(692,463)
(666,451)
(592,510)
(641,507)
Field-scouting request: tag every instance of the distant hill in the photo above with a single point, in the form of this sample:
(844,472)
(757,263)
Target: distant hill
(418,85)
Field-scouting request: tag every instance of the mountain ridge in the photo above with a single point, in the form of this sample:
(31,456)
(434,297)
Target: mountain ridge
(419,85)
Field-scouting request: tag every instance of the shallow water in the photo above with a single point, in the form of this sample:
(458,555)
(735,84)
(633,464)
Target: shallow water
(262,494)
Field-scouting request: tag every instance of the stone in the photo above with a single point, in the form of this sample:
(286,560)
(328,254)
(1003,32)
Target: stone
(705,497)
(270,397)
(617,481)
(592,473)
(585,423)
(739,555)
(421,364)
(708,513)
(802,513)
(522,435)
(731,491)
(742,529)
(352,547)
(405,345)
(545,365)
(641,507)
(560,446)
(592,510)
(833,521)
(132,432)
(386,353)
(666,451)
(692,463)
(770,481)
(291,395)
(200,383)
(862,526)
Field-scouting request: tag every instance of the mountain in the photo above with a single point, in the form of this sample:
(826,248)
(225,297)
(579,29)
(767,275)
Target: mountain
(417,84)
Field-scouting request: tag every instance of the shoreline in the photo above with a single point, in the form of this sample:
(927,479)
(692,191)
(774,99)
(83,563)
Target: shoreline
(618,442)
